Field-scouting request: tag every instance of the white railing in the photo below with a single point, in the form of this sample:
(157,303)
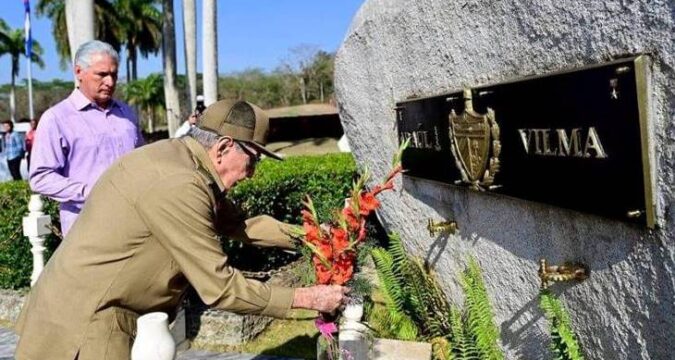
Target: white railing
(36,228)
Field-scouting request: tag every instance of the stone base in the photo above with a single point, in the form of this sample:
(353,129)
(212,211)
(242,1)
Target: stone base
(11,302)
(386,349)
(210,327)
(217,327)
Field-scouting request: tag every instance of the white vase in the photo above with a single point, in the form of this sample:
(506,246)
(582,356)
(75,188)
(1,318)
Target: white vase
(353,311)
(354,338)
(153,339)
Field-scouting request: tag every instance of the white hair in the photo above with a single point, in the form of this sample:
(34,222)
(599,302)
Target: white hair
(208,138)
(204,137)
(86,50)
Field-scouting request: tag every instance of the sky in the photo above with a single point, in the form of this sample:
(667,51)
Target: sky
(251,34)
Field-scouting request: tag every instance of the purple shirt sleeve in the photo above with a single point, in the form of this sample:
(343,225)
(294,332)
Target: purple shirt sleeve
(48,161)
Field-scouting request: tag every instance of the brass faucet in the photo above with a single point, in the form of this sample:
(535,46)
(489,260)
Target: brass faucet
(558,273)
(443,227)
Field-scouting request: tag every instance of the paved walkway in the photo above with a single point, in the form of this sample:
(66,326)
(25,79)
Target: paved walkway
(8,341)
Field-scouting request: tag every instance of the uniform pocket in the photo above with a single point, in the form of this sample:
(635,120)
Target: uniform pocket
(110,335)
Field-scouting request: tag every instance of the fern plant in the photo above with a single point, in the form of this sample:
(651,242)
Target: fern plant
(429,304)
(564,344)
(417,308)
(392,321)
(480,324)
(416,298)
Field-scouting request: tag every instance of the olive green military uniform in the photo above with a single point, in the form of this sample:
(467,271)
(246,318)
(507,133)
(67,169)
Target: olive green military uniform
(148,229)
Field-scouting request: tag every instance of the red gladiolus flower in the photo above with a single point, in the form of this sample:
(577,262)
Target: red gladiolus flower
(340,240)
(362,231)
(367,203)
(343,269)
(323,274)
(311,233)
(352,221)
(335,247)
(326,250)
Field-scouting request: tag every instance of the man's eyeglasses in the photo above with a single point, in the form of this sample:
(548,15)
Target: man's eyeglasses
(253,155)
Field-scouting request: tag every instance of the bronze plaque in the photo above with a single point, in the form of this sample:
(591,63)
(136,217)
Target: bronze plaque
(576,139)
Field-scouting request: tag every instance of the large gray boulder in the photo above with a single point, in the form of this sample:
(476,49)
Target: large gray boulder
(401,48)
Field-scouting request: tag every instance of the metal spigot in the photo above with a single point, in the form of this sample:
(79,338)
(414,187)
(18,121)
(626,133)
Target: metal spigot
(443,227)
(558,273)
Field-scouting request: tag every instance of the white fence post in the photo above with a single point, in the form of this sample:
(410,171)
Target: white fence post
(36,228)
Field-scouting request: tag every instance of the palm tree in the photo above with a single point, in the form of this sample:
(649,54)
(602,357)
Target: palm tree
(13,43)
(148,94)
(190,41)
(80,23)
(210,52)
(106,26)
(141,30)
(173,114)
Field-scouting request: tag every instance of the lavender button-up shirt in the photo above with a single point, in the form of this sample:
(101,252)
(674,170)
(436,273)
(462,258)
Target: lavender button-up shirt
(75,142)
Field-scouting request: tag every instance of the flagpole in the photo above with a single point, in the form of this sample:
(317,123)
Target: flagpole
(29,61)
(31,114)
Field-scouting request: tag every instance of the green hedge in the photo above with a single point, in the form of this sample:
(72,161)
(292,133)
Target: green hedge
(277,189)
(16,260)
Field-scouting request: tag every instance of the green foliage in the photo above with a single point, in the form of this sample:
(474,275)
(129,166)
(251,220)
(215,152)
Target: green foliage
(254,85)
(416,308)
(392,321)
(267,89)
(13,43)
(480,324)
(106,25)
(16,260)
(147,93)
(279,187)
(564,344)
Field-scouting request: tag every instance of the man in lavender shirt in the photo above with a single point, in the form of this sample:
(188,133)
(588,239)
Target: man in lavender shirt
(80,137)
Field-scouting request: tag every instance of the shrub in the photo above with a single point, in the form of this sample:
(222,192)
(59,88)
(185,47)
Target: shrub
(16,260)
(278,189)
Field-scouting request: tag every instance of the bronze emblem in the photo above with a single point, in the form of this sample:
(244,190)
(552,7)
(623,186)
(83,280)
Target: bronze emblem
(475,144)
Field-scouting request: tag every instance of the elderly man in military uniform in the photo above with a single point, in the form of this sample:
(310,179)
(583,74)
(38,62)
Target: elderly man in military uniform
(149,228)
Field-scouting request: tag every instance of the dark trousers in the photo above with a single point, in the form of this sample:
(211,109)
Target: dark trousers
(14,166)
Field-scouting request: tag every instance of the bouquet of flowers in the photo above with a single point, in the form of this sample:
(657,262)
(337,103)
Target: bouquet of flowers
(335,245)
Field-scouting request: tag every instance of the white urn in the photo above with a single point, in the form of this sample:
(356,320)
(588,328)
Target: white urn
(153,338)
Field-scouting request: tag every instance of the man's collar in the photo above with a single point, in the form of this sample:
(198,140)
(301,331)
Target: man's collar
(203,160)
(81,102)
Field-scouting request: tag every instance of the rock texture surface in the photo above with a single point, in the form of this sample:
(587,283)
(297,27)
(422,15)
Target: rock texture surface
(214,327)
(401,48)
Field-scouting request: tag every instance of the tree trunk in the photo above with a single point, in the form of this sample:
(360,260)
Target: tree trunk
(171,100)
(190,40)
(80,23)
(151,120)
(210,51)
(12,98)
(303,90)
(134,72)
(128,68)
